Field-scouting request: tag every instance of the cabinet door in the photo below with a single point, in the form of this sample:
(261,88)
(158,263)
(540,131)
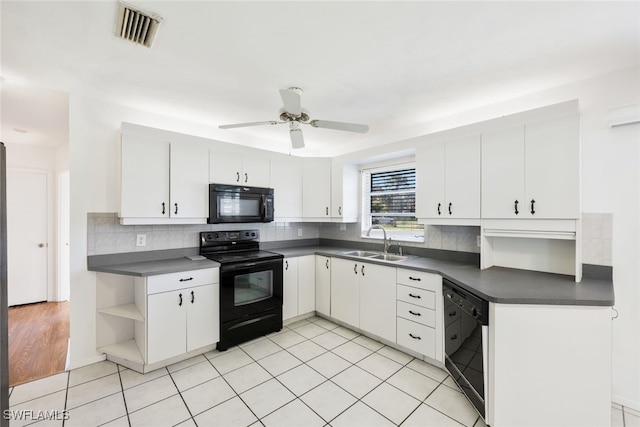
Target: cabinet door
(225,167)
(203,316)
(166,325)
(189,189)
(316,188)
(462,178)
(144,179)
(430,181)
(503,173)
(286,180)
(345,291)
(290,288)
(323,285)
(306,284)
(344,191)
(552,169)
(378,300)
(255,171)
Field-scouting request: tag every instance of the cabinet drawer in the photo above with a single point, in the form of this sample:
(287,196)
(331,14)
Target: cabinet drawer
(416,296)
(419,279)
(415,313)
(417,337)
(181,280)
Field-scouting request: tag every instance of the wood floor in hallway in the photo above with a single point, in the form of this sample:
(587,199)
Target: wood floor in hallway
(38,336)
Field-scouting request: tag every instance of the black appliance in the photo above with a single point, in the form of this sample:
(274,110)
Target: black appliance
(250,285)
(233,203)
(466,340)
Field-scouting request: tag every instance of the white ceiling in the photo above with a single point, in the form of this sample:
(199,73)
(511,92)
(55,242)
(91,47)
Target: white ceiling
(392,65)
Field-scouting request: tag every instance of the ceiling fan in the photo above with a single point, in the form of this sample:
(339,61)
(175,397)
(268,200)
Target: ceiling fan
(293,114)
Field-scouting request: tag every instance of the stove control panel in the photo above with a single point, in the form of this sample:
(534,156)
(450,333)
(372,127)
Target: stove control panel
(230,236)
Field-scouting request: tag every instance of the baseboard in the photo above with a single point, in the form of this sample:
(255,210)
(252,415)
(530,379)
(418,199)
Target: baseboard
(84,362)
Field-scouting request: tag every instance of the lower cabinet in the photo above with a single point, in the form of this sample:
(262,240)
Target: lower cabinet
(420,311)
(363,296)
(323,285)
(145,321)
(299,280)
(182,321)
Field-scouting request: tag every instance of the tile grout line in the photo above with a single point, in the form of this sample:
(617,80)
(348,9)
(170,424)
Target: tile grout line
(66,394)
(181,397)
(124,399)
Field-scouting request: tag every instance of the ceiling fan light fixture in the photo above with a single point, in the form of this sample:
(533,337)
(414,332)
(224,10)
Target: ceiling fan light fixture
(297,139)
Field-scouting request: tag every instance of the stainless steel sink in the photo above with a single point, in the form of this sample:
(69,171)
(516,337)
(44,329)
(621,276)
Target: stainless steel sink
(389,257)
(376,255)
(361,253)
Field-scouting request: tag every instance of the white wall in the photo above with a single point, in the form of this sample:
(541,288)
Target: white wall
(610,183)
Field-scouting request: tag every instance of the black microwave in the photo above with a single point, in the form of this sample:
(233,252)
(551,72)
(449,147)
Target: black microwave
(234,203)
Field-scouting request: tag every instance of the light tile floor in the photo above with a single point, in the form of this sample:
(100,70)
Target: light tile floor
(312,373)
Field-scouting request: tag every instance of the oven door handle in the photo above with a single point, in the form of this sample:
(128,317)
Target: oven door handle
(250,264)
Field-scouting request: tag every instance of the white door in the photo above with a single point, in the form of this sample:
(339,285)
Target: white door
(27,252)
(430,170)
(378,300)
(166,325)
(203,316)
(306,284)
(462,177)
(316,187)
(323,285)
(290,288)
(189,189)
(286,179)
(345,291)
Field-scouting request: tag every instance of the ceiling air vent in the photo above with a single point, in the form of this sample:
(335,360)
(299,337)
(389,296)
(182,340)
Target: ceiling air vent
(136,25)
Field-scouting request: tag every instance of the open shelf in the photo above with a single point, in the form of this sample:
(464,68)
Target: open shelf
(127,350)
(128,311)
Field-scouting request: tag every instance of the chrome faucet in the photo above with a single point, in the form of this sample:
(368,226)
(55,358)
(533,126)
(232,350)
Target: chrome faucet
(379,227)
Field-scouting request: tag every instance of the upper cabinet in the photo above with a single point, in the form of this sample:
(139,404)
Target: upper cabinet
(532,171)
(344,192)
(235,168)
(286,180)
(316,188)
(162,181)
(448,181)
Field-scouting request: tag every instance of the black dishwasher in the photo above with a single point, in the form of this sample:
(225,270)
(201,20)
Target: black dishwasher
(466,339)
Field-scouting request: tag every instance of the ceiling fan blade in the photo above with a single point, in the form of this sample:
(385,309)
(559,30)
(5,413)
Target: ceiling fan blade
(243,125)
(349,127)
(291,100)
(297,140)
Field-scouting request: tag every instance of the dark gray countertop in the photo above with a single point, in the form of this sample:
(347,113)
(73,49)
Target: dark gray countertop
(155,267)
(495,284)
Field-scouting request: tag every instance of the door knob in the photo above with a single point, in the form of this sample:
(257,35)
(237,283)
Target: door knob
(41,245)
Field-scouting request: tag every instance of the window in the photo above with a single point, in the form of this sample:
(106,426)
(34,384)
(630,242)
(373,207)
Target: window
(389,200)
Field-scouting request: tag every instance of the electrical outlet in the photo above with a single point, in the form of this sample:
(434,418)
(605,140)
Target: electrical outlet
(141,240)
(478,241)
(299,232)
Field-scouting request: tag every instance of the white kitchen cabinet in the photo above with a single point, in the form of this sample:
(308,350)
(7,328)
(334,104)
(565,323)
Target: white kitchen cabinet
(148,322)
(238,168)
(162,181)
(286,180)
(532,171)
(184,319)
(323,285)
(299,295)
(377,300)
(345,291)
(420,313)
(448,180)
(363,296)
(316,188)
(344,191)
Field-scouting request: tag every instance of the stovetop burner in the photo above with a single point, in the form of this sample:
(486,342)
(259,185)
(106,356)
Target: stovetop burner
(228,247)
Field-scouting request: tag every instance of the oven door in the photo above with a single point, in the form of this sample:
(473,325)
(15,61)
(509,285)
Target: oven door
(248,288)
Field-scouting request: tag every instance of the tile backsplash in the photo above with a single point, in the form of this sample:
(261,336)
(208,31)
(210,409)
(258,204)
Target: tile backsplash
(597,238)
(107,236)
